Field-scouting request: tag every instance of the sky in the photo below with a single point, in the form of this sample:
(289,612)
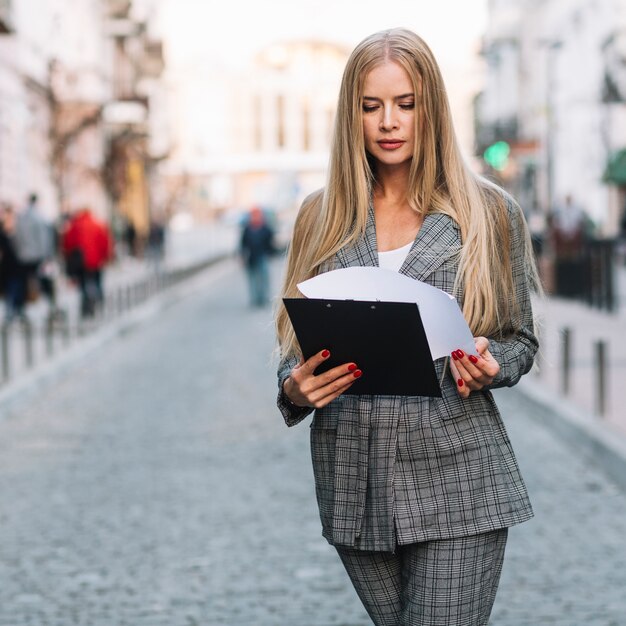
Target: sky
(235,28)
(229,33)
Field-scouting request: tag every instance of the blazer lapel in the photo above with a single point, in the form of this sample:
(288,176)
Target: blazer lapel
(438,240)
(364,252)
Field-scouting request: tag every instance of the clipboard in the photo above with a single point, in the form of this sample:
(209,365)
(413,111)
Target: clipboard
(385,339)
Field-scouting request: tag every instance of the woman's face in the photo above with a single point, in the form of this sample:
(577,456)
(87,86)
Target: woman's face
(389,114)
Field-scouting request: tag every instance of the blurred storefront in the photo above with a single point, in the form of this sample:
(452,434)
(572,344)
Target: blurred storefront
(131,161)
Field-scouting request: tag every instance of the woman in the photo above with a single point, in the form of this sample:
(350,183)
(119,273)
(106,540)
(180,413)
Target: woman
(415,493)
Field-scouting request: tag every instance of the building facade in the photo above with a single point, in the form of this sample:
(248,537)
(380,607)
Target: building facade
(64,81)
(259,135)
(553,98)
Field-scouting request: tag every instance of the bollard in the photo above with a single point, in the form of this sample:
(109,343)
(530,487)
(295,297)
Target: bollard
(6,364)
(600,378)
(566,344)
(28,343)
(119,301)
(49,330)
(65,328)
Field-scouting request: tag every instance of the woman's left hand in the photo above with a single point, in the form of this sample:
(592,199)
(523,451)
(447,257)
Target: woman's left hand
(472,373)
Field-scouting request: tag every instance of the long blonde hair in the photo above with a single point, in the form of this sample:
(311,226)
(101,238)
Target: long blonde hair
(439,182)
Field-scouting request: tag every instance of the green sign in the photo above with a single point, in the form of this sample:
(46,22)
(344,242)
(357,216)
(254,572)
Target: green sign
(497,155)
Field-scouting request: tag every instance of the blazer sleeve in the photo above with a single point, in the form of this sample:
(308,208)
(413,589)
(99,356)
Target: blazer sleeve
(515,354)
(292,413)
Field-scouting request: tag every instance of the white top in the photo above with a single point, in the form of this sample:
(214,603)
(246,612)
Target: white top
(393,259)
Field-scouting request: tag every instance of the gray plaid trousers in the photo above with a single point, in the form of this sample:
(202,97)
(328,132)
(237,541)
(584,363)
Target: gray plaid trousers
(452,582)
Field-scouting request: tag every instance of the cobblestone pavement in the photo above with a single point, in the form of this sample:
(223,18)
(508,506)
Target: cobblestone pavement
(158,486)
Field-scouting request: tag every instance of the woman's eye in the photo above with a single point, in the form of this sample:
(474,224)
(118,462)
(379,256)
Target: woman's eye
(407,106)
(368,108)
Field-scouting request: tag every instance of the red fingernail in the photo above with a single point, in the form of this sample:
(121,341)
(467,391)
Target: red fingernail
(325,354)
(351,367)
(454,356)
(460,382)
(473,359)
(460,354)
(357,374)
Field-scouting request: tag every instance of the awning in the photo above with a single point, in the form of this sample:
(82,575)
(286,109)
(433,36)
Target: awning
(615,172)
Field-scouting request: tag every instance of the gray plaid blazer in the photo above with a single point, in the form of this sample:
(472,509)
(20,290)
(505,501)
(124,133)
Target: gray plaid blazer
(400,469)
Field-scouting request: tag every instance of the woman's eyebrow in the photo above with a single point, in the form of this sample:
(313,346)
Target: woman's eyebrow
(404,95)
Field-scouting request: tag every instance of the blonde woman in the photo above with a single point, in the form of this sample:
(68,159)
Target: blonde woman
(415,493)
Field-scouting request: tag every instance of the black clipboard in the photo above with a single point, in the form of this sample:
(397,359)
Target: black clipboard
(385,339)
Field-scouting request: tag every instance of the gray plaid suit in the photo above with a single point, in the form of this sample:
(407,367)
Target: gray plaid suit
(396,470)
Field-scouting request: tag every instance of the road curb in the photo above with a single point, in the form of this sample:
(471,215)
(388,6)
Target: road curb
(15,393)
(600,441)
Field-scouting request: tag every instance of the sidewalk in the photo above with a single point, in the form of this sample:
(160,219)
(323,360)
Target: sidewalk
(127,281)
(586,327)
(583,416)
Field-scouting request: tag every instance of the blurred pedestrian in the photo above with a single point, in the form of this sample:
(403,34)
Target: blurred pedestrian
(11,278)
(34,244)
(622,235)
(416,493)
(156,240)
(87,247)
(257,244)
(568,229)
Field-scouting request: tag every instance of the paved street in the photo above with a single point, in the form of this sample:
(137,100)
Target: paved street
(158,486)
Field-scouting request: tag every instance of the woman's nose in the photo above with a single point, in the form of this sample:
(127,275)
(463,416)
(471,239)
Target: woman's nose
(388,121)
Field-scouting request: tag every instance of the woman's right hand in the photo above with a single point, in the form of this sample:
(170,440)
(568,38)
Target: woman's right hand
(304,388)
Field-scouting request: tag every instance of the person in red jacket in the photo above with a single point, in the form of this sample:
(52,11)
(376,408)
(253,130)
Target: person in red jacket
(87,247)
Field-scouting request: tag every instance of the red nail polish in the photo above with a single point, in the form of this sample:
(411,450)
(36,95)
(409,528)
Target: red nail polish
(460,354)
(325,354)
(351,367)
(460,382)
(473,359)
(454,356)
(357,374)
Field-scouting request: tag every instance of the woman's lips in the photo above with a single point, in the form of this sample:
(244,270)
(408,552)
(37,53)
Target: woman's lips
(391,144)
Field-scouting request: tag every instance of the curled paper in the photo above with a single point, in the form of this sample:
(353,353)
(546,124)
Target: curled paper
(444,324)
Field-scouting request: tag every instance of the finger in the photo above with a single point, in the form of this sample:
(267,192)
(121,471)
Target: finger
(336,387)
(322,402)
(311,364)
(312,387)
(336,372)
(472,368)
(490,365)
(461,386)
(481,343)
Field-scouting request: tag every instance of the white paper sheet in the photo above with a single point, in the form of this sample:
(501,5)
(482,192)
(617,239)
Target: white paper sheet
(445,326)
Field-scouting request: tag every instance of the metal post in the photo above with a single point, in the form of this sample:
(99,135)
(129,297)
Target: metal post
(65,328)
(6,363)
(566,346)
(600,378)
(28,343)
(49,330)
(119,301)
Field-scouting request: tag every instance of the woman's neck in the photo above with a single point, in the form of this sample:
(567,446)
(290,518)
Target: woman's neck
(392,185)
(396,222)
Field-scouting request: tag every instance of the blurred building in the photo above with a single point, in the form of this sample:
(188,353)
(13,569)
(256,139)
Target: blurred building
(259,135)
(551,120)
(138,136)
(77,78)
